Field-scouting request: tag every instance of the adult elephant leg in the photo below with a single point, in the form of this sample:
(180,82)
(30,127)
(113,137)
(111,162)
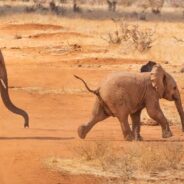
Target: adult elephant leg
(155,112)
(125,127)
(136,125)
(97,116)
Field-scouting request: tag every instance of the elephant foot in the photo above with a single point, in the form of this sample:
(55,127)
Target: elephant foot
(81,131)
(183,128)
(138,138)
(129,137)
(166,134)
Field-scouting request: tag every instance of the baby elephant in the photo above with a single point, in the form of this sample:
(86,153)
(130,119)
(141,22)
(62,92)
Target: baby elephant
(122,94)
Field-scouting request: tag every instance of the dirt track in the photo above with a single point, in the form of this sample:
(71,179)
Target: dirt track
(40,68)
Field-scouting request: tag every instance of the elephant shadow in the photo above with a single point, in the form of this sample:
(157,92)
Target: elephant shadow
(145,140)
(41,138)
(165,140)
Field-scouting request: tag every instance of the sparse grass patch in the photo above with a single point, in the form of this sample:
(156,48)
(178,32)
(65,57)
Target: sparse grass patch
(157,157)
(173,155)
(43,91)
(136,160)
(94,150)
(120,35)
(131,34)
(142,39)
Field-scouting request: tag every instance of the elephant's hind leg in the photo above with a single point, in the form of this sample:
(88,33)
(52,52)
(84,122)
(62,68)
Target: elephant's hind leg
(136,125)
(97,116)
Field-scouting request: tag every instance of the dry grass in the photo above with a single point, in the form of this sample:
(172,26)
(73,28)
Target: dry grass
(131,34)
(164,44)
(92,151)
(140,161)
(142,39)
(121,34)
(43,91)
(158,157)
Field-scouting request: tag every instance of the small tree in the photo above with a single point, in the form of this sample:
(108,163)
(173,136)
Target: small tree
(53,7)
(112,5)
(75,6)
(156,5)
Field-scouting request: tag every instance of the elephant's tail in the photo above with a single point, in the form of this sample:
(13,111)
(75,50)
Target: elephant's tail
(97,93)
(87,87)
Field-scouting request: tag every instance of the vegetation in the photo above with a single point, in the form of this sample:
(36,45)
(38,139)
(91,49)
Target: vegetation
(138,160)
(131,34)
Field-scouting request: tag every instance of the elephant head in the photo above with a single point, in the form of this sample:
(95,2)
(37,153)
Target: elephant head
(5,94)
(166,87)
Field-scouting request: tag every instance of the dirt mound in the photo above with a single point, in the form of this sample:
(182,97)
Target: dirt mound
(31,27)
(109,61)
(57,35)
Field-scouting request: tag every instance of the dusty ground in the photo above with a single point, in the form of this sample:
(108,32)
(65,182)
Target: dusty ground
(40,67)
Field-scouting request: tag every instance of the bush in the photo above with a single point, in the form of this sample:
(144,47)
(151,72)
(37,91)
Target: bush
(141,39)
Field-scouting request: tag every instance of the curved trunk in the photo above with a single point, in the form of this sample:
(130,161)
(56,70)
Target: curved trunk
(180,110)
(5,94)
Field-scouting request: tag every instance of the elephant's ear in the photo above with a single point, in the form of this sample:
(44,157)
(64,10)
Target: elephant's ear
(157,79)
(148,66)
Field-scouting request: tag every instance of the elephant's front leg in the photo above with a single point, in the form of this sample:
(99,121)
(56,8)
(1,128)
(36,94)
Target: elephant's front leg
(123,118)
(155,112)
(136,125)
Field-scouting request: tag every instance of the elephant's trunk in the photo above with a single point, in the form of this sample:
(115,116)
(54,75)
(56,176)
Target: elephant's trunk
(5,94)
(180,109)
(7,102)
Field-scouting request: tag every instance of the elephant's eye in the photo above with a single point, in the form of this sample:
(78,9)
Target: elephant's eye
(174,88)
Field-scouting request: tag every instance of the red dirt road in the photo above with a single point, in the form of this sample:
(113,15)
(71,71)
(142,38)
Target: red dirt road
(54,119)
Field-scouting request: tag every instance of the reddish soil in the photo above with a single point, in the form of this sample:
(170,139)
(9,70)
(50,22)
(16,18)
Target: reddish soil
(54,119)
(45,87)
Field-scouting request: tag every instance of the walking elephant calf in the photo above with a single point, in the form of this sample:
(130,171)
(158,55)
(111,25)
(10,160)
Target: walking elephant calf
(122,94)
